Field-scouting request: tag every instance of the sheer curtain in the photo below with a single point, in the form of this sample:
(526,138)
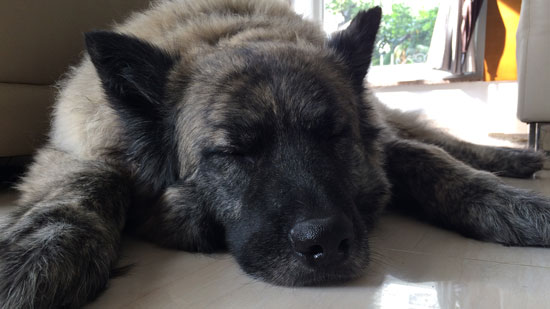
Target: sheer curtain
(452,47)
(310,9)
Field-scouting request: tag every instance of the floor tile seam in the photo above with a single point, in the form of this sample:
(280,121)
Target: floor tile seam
(420,240)
(135,301)
(231,290)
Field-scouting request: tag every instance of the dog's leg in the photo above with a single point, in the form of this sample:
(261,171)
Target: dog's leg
(178,220)
(503,161)
(59,247)
(431,184)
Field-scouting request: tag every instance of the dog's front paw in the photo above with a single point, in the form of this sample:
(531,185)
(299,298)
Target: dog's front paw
(522,163)
(47,262)
(513,217)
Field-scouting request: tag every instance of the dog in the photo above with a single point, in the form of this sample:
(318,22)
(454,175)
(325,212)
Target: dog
(237,125)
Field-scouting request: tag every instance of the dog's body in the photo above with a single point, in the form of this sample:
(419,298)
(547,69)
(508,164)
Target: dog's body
(204,125)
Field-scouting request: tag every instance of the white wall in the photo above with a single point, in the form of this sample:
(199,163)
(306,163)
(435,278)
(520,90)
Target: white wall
(470,110)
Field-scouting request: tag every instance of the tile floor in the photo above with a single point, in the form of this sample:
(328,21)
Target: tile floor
(414,266)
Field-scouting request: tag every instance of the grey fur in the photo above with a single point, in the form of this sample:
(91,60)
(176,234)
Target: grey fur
(236,70)
(59,247)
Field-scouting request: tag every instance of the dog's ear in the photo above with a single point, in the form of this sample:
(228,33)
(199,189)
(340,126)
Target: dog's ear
(133,72)
(356,43)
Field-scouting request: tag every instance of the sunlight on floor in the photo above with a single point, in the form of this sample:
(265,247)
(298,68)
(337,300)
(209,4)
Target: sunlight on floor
(473,111)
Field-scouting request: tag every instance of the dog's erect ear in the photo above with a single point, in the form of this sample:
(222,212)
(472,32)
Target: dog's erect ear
(133,72)
(356,43)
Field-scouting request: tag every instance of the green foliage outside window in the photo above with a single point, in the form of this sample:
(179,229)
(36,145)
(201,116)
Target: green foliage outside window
(402,34)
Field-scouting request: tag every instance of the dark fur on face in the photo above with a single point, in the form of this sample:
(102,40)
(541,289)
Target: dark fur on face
(290,150)
(283,143)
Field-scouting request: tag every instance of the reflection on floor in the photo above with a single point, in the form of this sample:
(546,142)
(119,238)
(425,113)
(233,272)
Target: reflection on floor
(414,265)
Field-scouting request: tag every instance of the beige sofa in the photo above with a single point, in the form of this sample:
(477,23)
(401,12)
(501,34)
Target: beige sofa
(39,41)
(533,43)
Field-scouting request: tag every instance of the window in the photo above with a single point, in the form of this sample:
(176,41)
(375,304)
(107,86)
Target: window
(402,53)
(405,33)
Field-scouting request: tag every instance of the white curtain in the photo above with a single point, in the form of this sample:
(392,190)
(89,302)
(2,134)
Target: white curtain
(453,25)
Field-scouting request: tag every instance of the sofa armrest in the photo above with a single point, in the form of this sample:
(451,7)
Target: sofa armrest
(40,40)
(533,44)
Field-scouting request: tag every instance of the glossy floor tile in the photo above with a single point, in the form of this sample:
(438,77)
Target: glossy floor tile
(414,265)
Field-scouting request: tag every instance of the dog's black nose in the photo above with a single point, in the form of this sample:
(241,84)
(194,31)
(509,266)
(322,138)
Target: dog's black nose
(322,242)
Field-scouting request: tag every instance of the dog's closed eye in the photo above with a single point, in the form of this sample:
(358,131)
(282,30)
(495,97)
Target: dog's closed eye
(229,152)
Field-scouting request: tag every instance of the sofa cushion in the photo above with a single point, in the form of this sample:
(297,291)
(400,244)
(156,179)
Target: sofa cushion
(39,40)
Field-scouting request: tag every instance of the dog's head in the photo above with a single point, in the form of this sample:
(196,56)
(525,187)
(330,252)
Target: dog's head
(276,141)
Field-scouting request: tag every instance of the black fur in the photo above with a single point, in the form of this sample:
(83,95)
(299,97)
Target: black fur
(477,204)
(134,75)
(356,43)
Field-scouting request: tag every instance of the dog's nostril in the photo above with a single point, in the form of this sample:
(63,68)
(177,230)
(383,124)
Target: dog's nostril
(316,251)
(344,246)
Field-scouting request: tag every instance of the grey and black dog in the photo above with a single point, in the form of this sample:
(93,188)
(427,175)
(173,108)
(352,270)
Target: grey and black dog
(235,124)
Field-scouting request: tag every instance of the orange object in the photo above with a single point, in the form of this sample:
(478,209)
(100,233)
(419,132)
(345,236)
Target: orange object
(500,40)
